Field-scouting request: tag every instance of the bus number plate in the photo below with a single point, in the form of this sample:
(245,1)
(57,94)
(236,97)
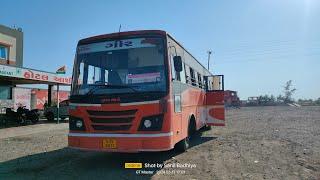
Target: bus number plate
(109,143)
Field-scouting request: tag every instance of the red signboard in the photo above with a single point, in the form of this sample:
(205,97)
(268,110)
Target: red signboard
(42,96)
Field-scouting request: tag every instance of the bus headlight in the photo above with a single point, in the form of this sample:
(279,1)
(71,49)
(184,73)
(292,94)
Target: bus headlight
(147,123)
(76,123)
(79,124)
(151,123)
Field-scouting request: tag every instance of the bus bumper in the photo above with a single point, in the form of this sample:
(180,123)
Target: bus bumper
(123,142)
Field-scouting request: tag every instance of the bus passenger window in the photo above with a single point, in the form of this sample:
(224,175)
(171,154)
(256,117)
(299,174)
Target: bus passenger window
(187,74)
(195,79)
(183,74)
(192,76)
(173,72)
(175,75)
(199,80)
(205,82)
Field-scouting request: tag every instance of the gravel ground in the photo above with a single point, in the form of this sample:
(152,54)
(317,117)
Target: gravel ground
(258,143)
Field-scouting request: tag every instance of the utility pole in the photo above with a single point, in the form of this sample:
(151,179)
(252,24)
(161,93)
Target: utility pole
(209,54)
(119,28)
(58,104)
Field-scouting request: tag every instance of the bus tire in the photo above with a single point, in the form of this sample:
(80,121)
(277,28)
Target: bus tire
(183,145)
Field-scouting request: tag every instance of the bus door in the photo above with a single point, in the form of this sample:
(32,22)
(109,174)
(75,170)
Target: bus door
(215,115)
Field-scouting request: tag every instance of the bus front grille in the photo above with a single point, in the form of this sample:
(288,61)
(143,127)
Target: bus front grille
(111,120)
(111,128)
(112,113)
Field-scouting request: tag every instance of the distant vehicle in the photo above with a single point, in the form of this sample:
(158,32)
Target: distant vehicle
(51,112)
(252,101)
(231,99)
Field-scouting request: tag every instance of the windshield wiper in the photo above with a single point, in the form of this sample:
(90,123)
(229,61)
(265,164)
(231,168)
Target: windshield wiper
(111,86)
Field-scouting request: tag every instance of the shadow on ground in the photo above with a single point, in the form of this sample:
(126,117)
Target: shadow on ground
(73,164)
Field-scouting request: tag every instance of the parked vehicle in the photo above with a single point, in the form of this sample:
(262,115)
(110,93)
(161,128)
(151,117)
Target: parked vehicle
(140,91)
(231,99)
(22,115)
(51,113)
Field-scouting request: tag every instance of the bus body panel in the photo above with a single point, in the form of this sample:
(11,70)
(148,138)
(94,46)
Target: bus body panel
(215,108)
(143,110)
(193,103)
(130,140)
(192,96)
(125,143)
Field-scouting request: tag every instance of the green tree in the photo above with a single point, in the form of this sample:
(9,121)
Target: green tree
(266,100)
(272,99)
(288,92)
(280,99)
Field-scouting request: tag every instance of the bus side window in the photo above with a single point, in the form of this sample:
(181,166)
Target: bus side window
(199,80)
(180,76)
(173,71)
(183,73)
(205,82)
(176,75)
(186,68)
(210,83)
(192,77)
(196,78)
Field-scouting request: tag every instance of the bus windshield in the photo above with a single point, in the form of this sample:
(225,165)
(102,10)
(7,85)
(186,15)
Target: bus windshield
(120,66)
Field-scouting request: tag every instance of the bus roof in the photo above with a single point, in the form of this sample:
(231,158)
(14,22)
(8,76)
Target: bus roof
(138,32)
(127,33)
(190,54)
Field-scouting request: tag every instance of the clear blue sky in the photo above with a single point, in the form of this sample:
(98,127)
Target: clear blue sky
(258,45)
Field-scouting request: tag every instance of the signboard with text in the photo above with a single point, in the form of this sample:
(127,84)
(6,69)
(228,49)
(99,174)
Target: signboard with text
(31,74)
(42,97)
(116,45)
(22,97)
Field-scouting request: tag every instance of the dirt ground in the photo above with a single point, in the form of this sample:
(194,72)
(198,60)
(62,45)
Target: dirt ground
(257,143)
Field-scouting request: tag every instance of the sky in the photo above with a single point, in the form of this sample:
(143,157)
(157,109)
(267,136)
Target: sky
(257,44)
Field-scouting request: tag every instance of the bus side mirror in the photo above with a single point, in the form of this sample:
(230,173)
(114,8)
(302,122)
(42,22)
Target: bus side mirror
(177,63)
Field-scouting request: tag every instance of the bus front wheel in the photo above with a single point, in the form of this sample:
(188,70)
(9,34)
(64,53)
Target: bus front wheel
(184,144)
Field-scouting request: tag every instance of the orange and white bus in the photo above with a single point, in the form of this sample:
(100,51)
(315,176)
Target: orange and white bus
(140,91)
